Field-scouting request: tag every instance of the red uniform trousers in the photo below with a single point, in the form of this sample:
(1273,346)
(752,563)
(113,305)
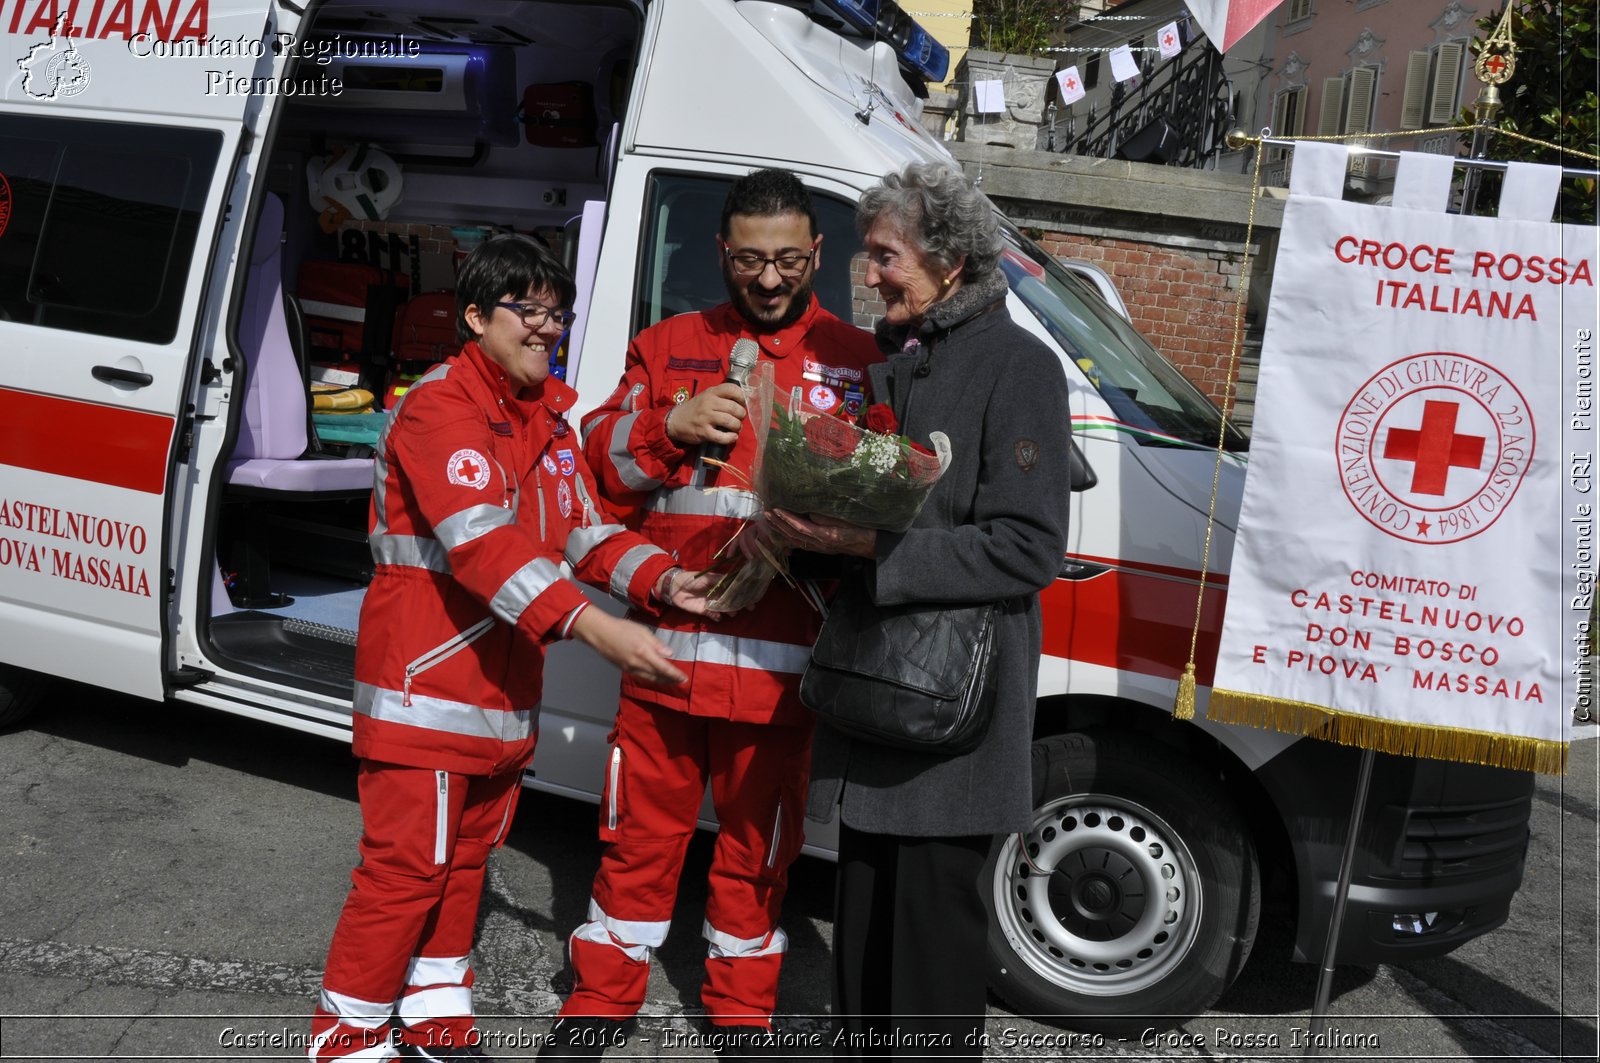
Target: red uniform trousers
(404,936)
(660,762)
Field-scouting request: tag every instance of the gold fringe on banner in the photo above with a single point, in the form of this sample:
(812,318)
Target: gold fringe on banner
(1404,739)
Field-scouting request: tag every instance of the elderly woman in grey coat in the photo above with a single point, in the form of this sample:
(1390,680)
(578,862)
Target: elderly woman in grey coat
(910,927)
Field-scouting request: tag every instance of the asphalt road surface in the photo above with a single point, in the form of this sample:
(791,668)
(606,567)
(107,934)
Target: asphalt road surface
(171,876)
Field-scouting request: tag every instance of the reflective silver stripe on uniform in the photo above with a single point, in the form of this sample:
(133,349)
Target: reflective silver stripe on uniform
(471,523)
(581,541)
(353,1011)
(380,463)
(713,647)
(726,946)
(622,575)
(525,584)
(627,931)
(411,551)
(699,502)
(621,456)
(436,970)
(440,1002)
(440,714)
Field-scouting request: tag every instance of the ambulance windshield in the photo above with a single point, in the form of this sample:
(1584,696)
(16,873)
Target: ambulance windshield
(1143,389)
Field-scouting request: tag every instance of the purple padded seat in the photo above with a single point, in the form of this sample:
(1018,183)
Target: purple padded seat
(272,435)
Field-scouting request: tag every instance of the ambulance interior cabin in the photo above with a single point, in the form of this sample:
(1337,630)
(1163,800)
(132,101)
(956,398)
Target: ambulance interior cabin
(454,122)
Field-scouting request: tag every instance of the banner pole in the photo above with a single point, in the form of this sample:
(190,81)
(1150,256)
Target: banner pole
(1341,892)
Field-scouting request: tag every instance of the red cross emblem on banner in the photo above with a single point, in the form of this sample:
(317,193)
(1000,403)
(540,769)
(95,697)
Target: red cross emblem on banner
(1435,448)
(1168,40)
(1072,83)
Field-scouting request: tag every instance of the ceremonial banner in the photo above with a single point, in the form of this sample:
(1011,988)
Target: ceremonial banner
(1399,580)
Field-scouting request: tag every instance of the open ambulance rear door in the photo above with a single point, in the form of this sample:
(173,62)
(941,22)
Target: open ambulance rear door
(120,138)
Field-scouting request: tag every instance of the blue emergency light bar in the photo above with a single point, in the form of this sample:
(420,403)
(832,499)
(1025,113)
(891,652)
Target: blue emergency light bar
(883,20)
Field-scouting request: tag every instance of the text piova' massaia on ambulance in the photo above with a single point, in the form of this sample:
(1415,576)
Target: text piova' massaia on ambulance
(183,518)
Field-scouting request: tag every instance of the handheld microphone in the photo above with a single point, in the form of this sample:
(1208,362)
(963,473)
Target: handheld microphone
(741,360)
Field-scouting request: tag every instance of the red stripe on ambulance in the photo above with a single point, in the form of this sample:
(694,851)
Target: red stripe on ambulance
(1131,620)
(102,444)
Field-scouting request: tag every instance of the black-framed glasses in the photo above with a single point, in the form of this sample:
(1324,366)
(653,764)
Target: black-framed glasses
(534,316)
(750,264)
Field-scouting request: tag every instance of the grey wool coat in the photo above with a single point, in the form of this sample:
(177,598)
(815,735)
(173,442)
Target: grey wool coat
(993,529)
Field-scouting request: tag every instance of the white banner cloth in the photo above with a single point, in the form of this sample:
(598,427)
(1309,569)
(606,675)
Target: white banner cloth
(1399,580)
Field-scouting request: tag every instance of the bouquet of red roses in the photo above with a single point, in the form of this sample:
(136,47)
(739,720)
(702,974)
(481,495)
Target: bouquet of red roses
(812,462)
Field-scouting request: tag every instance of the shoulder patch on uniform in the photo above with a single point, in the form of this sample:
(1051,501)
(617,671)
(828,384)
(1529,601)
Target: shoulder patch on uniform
(468,468)
(1027,452)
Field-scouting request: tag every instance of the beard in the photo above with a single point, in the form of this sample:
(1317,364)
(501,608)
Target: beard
(762,321)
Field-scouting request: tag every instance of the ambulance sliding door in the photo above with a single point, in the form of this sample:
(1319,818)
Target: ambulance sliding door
(109,221)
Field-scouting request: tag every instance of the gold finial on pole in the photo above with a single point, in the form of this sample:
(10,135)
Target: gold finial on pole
(1497,59)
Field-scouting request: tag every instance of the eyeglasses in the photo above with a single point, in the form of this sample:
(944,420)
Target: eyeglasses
(749,264)
(535,316)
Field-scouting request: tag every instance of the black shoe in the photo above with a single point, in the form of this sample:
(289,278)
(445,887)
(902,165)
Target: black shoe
(426,1052)
(742,1041)
(582,1037)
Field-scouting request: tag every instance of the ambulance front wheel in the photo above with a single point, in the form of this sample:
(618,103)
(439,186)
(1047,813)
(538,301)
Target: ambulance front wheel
(21,691)
(1133,899)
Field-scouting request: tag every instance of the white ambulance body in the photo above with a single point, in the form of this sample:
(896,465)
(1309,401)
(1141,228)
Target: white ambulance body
(169,528)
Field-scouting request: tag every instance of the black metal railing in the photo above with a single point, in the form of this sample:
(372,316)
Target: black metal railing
(1178,115)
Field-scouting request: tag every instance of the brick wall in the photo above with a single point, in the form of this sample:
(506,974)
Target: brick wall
(1181,299)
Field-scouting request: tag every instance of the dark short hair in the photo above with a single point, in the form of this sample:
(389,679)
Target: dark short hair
(767,193)
(509,264)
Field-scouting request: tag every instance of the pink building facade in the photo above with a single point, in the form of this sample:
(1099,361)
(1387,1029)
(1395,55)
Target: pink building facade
(1364,66)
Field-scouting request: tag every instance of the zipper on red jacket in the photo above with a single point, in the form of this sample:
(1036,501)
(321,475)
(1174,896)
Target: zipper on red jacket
(442,651)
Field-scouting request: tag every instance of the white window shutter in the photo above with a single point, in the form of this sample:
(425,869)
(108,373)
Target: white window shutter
(1414,104)
(1328,112)
(1446,85)
(1358,116)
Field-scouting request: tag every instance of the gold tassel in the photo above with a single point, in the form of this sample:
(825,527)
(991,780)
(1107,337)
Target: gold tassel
(1497,750)
(1183,707)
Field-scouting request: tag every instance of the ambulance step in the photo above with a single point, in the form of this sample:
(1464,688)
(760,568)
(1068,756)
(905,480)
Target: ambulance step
(287,650)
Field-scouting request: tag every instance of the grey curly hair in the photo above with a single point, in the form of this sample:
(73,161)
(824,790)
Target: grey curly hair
(938,210)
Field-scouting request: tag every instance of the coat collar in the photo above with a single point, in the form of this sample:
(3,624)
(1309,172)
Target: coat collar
(555,396)
(970,300)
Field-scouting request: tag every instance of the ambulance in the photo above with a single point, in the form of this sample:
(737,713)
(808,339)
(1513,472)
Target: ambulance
(201,199)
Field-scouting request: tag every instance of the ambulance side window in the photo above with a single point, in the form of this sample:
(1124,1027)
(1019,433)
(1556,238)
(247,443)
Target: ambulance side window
(681,271)
(98,223)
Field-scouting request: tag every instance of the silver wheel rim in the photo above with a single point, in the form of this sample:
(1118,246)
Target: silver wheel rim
(1101,897)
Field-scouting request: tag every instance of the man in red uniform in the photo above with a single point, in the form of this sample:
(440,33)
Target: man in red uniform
(480,492)
(738,723)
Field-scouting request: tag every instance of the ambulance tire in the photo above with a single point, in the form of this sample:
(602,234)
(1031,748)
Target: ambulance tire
(21,691)
(1153,896)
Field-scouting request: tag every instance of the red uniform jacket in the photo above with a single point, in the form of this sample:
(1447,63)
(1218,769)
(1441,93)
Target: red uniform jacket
(478,497)
(746,667)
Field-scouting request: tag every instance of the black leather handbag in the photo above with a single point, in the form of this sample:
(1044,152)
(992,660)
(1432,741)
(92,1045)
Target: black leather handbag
(918,677)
